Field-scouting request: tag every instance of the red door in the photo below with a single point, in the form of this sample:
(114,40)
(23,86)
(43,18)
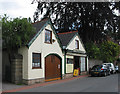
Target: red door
(52,68)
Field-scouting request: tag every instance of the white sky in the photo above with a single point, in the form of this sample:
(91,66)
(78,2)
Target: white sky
(17,8)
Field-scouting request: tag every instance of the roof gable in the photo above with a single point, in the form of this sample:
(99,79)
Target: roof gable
(66,37)
(82,48)
(39,28)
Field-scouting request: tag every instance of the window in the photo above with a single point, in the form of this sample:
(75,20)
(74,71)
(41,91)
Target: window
(48,36)
(36,60)
(76,44)
(82,63)
(69,61)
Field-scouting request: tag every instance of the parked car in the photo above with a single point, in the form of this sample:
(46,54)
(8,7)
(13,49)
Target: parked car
(116,69)
(112,68)
(100,70)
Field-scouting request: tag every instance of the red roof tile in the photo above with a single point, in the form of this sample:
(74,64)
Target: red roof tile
(67,32)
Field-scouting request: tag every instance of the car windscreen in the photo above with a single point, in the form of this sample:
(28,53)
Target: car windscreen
(96,67)
(109,65)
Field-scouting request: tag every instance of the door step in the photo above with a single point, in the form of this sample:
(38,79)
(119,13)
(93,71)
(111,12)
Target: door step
(52,79)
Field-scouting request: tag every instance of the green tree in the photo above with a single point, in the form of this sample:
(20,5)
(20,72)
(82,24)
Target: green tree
(16,32)
(109,51)
(92,50)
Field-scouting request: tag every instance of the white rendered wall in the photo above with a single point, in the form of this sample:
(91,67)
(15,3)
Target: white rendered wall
(39,46)
(24,52)
(71,46)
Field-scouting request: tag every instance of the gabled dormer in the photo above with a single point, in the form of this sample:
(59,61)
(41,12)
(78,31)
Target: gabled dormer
(71,41)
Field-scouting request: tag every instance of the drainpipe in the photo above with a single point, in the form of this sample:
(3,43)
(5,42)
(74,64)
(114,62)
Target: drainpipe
(65,61)
(65,51)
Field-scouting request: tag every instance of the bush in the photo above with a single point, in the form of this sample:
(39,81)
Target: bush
(16,32)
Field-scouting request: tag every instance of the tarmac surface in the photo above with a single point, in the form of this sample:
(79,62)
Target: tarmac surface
(85,84)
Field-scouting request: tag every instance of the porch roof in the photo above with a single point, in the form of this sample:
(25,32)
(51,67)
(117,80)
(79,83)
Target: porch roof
(76,52)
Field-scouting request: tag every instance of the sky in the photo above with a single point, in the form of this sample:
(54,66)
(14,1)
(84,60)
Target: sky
(18,8)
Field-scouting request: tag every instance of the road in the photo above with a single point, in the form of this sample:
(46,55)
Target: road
(86,84)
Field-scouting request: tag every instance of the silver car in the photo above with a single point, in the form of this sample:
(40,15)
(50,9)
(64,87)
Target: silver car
(112,68)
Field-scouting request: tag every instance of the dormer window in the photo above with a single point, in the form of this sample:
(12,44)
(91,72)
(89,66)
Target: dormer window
(76,44)
(48,36)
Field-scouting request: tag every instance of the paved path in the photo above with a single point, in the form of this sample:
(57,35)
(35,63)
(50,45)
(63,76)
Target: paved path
(10,86)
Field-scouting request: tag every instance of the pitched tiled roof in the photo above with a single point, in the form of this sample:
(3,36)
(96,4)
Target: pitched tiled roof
(38,26)
(66,37)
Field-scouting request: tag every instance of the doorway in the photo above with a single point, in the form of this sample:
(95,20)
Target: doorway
(52,68)
(77,63)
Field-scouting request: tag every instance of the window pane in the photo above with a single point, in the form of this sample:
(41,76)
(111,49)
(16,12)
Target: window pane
(33,64)
(36,58)
(69,61)
(36,62)
(48,36)
(76,44)
(39,64)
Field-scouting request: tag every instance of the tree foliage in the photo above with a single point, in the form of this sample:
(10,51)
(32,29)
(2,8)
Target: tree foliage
(92,50)
(89,18)
(109,51)
(16,32)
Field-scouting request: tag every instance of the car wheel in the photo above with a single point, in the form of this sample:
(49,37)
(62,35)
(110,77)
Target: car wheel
(105,74)
(99,75)
(109,73)
(116,71)
(112,72)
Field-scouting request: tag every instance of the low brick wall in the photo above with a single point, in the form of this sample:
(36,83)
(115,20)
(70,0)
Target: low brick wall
(33,81)
(84,73)
(68,75)
(16,69)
